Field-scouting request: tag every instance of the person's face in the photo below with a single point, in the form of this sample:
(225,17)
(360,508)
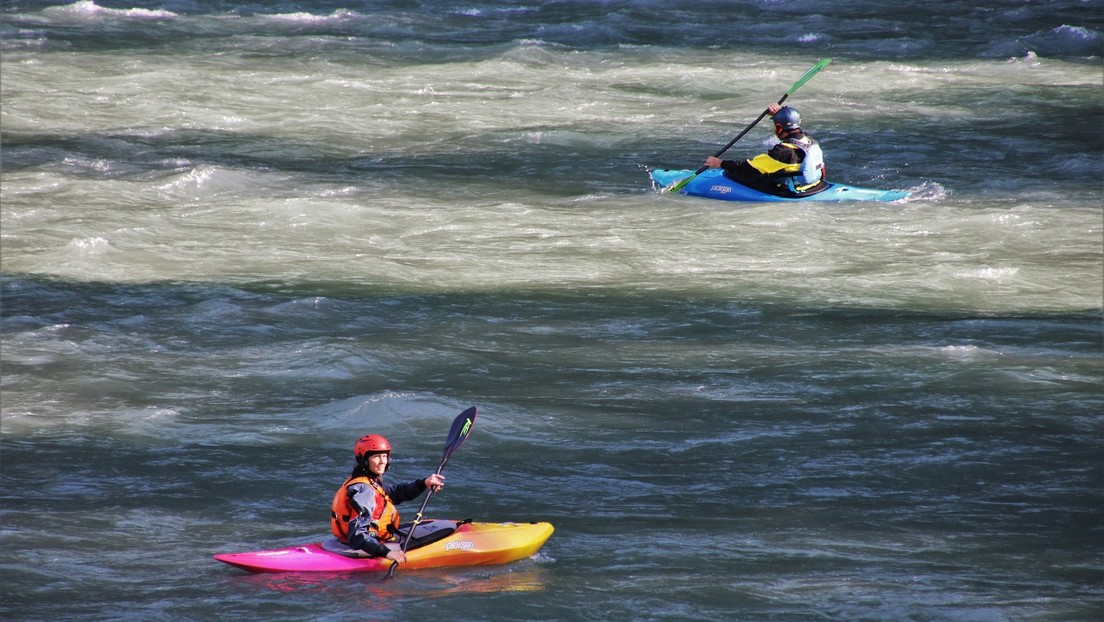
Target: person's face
(377,463)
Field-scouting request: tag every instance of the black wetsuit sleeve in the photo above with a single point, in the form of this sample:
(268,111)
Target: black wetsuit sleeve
(744,173)
(733,167)
(405,491)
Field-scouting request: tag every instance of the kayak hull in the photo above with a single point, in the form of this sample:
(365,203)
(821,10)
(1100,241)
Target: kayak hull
(471,544)
(713,184)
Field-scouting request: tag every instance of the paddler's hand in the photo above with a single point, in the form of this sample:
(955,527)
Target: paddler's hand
(773,108)
(435,482)
(397,556)
(713,162)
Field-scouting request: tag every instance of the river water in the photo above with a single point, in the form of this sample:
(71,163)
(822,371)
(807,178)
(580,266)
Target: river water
(236,236)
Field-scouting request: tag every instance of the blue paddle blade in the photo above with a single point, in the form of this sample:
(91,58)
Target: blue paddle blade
(461,428)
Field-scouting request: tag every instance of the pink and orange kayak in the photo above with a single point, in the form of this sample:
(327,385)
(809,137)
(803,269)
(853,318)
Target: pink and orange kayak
(438,543)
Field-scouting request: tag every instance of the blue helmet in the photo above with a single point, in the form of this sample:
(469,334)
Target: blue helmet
(788,118)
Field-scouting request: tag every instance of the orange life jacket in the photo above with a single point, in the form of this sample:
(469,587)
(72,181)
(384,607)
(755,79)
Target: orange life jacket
(385,518)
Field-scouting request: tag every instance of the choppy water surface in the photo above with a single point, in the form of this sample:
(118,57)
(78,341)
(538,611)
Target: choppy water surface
(237,236)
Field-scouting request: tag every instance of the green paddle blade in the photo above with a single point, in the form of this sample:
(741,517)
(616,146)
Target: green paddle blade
(814,70)
(680,184)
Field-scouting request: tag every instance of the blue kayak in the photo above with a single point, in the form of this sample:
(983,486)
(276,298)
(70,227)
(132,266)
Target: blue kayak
(712,184)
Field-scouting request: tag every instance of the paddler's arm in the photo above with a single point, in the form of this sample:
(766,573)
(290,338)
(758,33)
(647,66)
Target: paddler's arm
(361,532)
(413,489)
(360,539)
(730,166)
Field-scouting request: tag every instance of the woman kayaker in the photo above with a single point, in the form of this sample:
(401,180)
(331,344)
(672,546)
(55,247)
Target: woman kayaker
(792,168)
(363,513)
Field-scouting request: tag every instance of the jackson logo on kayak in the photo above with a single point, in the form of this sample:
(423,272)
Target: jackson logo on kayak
(720,189)
(464,545)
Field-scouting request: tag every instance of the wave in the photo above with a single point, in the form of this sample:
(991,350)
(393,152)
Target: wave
(1063,41)
(88,8)
(338,16)
(858,29)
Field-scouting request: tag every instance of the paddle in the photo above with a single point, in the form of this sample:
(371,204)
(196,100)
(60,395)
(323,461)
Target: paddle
(675,187)
(461,428)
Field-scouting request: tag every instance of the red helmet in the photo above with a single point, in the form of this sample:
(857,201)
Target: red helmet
(370,444)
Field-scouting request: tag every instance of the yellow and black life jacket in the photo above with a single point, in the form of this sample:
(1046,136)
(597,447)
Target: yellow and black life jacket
(801,175)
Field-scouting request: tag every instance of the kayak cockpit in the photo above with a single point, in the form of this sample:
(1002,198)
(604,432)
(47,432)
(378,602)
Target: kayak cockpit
(426,533)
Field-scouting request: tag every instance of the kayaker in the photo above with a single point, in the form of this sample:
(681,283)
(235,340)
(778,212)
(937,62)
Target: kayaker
(792,168)
(363,513)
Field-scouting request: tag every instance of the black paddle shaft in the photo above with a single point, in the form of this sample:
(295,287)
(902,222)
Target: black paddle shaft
(461,428)
(741,134)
